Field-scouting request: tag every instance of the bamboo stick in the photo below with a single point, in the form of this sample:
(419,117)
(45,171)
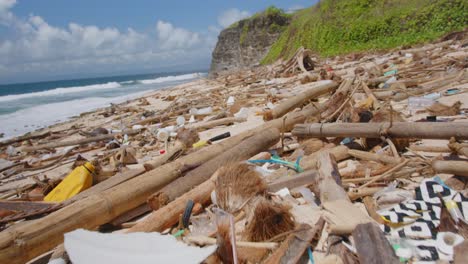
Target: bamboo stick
(219,122)
(168,215)
(28,136)
(364,155)
(429,130)
(79,141)
(202,240)
(451,167)
(298,100)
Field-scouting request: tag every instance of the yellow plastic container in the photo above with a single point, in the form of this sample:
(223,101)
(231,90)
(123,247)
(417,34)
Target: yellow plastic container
(78,180)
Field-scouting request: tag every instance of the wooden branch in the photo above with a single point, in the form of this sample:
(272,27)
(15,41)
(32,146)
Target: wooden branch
(215,123)
(79,141)
(310,162)
(292,249)
(372,246)
(298,100)
(157,161)
(290,182)
(364,155)
(28,136)
(451,167)
(369,93)
(168,215)
(386,174)
(429,130)
(202,240)
(329,181)
(359,193)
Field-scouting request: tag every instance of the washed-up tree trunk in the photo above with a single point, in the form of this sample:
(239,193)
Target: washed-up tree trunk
(451,167)
(298,100)
(429,130)
(372,246)
(246,149)
(79,141)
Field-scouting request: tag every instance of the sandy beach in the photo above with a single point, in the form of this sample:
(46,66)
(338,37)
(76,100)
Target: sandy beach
(132,129)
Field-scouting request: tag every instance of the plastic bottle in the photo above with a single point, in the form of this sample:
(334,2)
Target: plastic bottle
(78,180)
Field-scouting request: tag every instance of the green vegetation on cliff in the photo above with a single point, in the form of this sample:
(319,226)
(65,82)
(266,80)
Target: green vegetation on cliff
(334,27)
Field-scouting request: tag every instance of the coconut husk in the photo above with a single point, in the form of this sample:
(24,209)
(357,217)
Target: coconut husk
(187,136)
(236,184)
(439,109)
(267,220)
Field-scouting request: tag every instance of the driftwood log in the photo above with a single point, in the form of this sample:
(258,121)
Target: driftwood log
(429,130)
(298,100)
(451,167)
(372,246)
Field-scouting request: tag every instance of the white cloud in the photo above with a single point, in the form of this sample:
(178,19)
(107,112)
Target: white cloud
(38,48)
(172,37)
(230,16)
(6,5)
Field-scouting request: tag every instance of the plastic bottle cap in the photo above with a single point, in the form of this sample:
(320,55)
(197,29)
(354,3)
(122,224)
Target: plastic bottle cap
(89,166)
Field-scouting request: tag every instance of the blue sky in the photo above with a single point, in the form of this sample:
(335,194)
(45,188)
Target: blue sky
(54,39)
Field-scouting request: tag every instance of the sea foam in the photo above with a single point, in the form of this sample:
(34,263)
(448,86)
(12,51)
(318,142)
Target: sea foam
(59,91)
(171,78)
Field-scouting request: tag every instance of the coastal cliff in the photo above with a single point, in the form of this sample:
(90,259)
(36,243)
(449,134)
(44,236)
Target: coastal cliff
(246,42)
(336,27)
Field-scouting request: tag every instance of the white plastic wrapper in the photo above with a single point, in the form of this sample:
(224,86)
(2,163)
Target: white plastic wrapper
(85,247)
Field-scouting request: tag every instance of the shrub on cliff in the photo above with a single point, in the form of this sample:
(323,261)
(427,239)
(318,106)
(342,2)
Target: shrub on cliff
(334,27)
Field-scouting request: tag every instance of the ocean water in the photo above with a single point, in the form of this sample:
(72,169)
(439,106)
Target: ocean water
(27,107)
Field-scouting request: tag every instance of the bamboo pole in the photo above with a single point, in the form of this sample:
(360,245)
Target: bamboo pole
(79,141)
(298,100)
(451,167)
(429,130)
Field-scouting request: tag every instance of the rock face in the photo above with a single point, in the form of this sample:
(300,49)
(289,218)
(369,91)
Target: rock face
(245,43)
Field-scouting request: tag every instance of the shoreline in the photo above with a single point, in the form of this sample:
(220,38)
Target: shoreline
(147,165)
